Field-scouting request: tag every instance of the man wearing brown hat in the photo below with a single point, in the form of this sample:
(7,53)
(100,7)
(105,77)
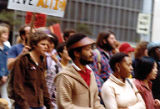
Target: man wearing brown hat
(76,85)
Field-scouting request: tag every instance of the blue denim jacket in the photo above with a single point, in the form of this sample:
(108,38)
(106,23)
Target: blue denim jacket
(3,61)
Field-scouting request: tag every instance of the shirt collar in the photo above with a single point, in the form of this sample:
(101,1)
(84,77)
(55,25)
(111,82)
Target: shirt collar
(143,84)
(116,80)
(107,53)
(1,48)
(53,52)
(77,68)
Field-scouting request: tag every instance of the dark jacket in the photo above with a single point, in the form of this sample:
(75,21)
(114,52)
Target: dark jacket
(29,83)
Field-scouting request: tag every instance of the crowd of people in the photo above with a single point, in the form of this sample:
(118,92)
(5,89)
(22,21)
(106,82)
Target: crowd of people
(39,72)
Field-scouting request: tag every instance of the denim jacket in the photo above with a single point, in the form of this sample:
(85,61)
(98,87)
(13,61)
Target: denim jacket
(3,61)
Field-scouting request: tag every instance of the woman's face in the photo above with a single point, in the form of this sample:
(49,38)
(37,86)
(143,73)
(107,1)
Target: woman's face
(50,47)
(157,51)
(125,67)
(153,73)
(42,47)
(4,36)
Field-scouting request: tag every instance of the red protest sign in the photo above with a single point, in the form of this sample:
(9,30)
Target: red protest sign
(56,29)
(40,19)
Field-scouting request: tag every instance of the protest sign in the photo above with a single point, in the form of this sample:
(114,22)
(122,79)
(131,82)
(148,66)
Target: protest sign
(48,7)
(40,19)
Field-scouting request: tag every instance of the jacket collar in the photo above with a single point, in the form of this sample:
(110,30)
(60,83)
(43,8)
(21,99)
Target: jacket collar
(72,72)
(108,54)
(116,80)
(77,68)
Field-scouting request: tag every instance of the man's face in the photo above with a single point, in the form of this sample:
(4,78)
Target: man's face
(109,43)
(111,40)
(86,55)
(27,31)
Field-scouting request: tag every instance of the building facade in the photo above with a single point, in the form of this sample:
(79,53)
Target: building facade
(119,16)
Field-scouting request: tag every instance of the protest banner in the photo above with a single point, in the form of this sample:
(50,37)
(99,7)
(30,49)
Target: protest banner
(48,7)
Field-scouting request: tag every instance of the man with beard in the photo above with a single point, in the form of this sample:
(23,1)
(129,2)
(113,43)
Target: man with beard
(105,44)
(19,49)
(76,85)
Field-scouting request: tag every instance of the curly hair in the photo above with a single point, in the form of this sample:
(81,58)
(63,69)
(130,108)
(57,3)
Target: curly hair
(37,37)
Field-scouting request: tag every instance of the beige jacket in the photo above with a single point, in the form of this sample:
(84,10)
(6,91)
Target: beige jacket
(73,92)
(119,95)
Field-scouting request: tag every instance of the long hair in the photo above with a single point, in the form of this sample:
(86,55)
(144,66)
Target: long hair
(101,37)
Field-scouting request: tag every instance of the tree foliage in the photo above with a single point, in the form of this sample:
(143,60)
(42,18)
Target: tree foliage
(8,17)
(83,28)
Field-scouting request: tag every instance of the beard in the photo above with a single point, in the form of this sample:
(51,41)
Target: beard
(85,62)
(108,46)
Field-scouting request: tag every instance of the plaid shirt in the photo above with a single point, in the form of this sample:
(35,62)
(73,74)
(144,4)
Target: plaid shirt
(105,67)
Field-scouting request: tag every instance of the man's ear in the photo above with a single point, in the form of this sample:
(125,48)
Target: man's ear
(104,41)
(76,54)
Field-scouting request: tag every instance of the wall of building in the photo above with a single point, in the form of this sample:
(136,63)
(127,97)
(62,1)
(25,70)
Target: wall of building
(156,21)
(119,16)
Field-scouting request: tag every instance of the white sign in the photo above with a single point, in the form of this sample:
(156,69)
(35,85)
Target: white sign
(49,7)
(143,24)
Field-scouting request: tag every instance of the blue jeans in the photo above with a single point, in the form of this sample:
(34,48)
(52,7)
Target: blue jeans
(18,107)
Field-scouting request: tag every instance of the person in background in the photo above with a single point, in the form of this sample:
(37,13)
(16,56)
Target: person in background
(3,55)
(104,45)
(76,86)
(4,34)
(116,48)
(68,33)
(126,48)
(19,49)
(145,71)
(29,85)
(53,66)
(7,43)
(63,54)
(154,52)
(119,92)
(140,51)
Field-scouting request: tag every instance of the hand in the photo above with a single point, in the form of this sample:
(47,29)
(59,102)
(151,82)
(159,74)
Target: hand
(4,79)
(53,56)
(157,103)
(26,49)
